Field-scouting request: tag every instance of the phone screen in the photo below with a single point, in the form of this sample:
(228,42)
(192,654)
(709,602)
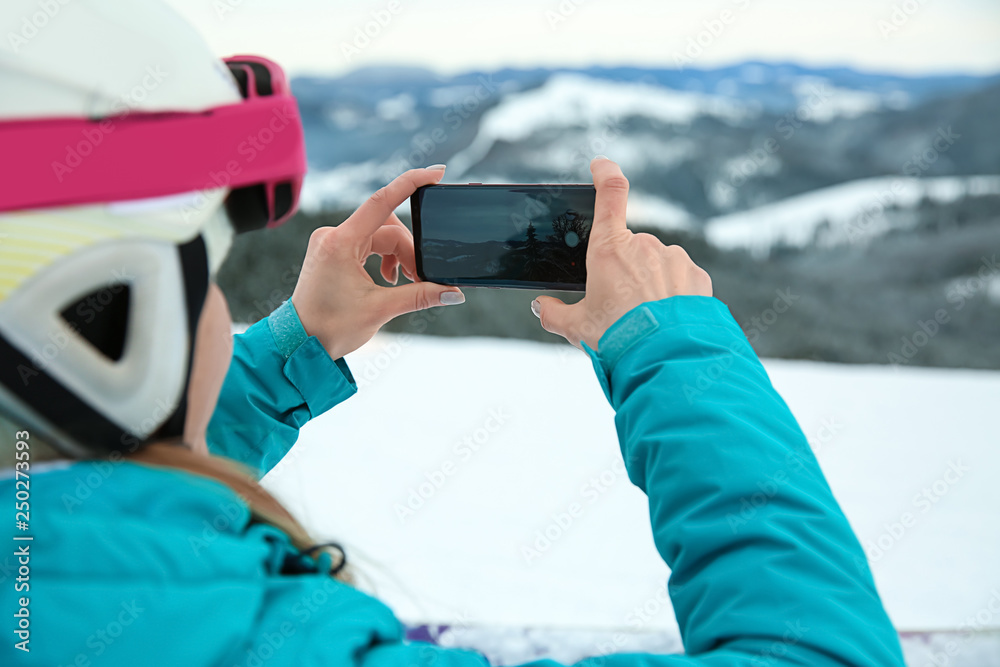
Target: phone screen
(520,236)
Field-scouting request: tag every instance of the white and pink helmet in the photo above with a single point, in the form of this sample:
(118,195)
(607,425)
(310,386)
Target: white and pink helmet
(129,156)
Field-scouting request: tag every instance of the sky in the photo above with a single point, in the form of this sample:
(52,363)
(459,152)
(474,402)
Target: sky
(329,36)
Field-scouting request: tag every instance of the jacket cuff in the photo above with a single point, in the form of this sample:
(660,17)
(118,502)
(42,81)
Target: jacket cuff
(322,382)
(636,328)
(286,329)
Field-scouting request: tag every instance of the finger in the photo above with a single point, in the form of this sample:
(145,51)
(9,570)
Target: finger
(394,242)
(556,317)
(612,198)
(390,269)
(396,301)
(394,220)
(371,215)
(410,274)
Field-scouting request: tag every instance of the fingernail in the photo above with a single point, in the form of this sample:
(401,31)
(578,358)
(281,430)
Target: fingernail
(395,276)
(437,167)
(452,298)
(600,157)
(536,308)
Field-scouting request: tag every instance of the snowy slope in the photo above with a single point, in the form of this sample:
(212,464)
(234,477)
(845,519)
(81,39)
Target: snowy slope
(345,188)
(840,102)
(517,646)
(575,100)
(421,426)
(854,211)
(572,100)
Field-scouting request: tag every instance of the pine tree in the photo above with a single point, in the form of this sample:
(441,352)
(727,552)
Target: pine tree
(532,252)
(531,242)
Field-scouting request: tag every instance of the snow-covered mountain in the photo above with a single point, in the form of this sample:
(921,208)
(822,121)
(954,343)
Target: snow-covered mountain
(696,144)
(852,213)
(875,197)
(575,101)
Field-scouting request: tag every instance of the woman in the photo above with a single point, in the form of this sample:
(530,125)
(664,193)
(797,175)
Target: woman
(155,548)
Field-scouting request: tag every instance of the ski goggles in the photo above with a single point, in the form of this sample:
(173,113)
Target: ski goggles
(255,148)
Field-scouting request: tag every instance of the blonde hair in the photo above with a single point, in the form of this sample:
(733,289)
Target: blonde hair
(240,479)
(263,506)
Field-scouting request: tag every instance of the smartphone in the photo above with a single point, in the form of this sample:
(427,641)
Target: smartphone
(514,236)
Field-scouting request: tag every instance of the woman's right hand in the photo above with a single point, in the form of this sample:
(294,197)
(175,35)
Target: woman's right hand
(336,299)
(624,270)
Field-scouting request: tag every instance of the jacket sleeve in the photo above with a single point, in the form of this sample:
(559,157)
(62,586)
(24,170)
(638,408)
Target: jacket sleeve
(764,563)
(765,567)
(279,379)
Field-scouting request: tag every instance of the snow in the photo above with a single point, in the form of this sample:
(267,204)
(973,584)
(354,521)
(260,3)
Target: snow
(449,96)
(345,186)
(854,211)
(516,646)
(985,281)
(821,102)
(575,100)
(646,210)
(494,440)
(399,109)
(345,118)
(395,108)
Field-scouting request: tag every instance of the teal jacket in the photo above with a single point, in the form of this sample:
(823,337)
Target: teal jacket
(133,565)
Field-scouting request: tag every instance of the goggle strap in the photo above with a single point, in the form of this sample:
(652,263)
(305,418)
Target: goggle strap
(66,162)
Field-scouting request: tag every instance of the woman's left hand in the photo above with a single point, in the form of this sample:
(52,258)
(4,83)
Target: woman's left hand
(336,299)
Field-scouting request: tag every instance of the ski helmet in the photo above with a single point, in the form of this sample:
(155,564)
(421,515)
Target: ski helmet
(129,156)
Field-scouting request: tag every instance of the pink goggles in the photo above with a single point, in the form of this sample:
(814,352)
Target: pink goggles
(256,149)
